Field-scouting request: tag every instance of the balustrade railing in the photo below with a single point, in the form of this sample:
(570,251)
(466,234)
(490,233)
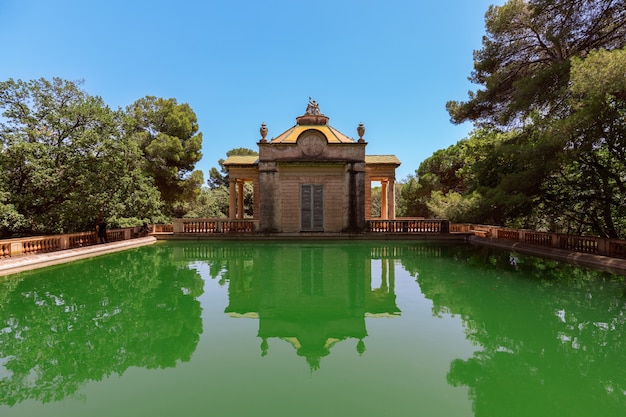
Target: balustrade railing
(162,228)
(580,244)
(42,244)
(217,226)
(618,248)
(508,234)
(201,226)
(459,228)
(78,240)
(213,226)
(614,248)
(538,238)
(408,226)
(5,249)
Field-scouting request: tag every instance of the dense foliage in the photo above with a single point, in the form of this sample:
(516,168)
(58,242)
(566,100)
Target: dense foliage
(65,157)
(548,151)
(167,134)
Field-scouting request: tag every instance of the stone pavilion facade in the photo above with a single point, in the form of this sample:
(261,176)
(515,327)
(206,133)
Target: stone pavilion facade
(312,178)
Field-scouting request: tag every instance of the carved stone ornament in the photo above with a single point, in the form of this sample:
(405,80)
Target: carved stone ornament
(263,131)
(312,145)
(361,131)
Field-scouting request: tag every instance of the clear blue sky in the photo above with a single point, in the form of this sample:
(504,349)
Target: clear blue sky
(389,64)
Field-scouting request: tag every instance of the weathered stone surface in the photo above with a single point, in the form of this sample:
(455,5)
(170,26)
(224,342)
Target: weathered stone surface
(313,154)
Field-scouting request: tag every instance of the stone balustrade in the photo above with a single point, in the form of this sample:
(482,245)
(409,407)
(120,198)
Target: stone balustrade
(41,244)
(212,226)
(162,228)
(614,248)
(405,225)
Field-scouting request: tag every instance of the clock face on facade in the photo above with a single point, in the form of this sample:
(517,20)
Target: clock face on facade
(312,145)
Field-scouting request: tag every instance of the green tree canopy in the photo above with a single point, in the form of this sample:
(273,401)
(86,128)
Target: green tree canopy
(167,134)
(210,203)
(600,75)
(411,199)
(550,79)
(525,60)
(589,189)
(64,158)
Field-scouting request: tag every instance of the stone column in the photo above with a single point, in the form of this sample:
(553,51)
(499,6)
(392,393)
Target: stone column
(232,202)
(359,178)
(367,196)
(240,199)
(391,199)
(383,200)
(354,219)
(269,197)
(255,199)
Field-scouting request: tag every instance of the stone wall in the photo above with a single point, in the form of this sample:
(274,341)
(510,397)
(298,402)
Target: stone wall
(283,168)
(335,207)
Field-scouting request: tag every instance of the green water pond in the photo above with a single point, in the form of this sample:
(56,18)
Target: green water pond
(313,329)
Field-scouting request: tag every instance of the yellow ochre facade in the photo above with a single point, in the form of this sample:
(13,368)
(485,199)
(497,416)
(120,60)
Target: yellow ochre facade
(312,178)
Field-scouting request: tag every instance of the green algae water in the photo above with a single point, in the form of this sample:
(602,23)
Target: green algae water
(312,329)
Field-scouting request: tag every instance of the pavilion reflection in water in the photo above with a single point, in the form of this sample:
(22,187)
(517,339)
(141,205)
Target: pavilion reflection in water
(311,297)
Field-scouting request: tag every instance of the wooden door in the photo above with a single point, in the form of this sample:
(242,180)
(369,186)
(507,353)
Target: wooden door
(312,207)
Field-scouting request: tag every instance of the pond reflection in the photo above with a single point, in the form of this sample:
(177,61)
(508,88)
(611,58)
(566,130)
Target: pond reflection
(551,336)
(446,329)
(311,296)
(66,325)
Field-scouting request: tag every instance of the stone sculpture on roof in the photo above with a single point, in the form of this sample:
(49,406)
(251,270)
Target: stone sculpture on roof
(313,108)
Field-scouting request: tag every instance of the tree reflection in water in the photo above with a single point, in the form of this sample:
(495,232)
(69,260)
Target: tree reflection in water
(552,336)
(84,321)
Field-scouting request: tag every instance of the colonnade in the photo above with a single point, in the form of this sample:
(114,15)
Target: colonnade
(388,194)
(236,195)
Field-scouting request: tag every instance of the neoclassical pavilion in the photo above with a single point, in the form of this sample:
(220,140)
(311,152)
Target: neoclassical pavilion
(312,178)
